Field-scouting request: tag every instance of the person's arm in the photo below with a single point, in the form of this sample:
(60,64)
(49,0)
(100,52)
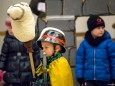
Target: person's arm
(3,55)
(79,69)
(36,54)
(111,50)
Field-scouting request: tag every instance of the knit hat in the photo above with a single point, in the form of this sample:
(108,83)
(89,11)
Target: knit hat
(95,21)
(8,22)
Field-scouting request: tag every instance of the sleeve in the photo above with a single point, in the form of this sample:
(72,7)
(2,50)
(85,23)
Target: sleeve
(3,56)
(36,54)
(111,50)
(79,68)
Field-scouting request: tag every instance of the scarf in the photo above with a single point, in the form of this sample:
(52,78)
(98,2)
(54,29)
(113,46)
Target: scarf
(94,42)
(53,57)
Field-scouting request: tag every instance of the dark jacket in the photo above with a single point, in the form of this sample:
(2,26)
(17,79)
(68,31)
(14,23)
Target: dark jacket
(14,59)
(93,59)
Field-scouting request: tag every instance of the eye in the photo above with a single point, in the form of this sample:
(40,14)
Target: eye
(46,47)
(103,27)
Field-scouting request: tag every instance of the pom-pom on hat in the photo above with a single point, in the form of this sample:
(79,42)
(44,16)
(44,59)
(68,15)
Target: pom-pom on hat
(8,22)
(95,21)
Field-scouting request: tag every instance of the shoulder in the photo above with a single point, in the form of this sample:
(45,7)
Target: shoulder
(107,35)
(84,44)
(62,61)
(8,37)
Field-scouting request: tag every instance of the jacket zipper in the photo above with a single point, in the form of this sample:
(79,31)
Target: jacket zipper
(106,67)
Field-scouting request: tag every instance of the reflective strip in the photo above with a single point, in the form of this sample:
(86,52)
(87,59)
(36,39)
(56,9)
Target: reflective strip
(45,36)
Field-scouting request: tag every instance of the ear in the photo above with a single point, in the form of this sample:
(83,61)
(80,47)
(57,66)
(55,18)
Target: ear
(57,48)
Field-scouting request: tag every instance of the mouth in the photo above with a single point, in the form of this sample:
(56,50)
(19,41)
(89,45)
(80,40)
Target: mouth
(100,33)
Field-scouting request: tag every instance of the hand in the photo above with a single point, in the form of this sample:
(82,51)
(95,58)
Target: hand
(40,69)
(81,81)
(45,70)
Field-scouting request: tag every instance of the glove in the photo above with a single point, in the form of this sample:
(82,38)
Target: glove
(41,70)
(81,81)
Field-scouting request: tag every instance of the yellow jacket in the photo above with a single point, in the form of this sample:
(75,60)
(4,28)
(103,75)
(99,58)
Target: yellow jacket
(60,73)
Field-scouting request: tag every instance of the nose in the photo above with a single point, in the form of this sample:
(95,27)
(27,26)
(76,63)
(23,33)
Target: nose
(43,50)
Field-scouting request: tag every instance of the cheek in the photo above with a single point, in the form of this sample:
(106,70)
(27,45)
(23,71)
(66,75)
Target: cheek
(102,31)
(95,33)
(49,52)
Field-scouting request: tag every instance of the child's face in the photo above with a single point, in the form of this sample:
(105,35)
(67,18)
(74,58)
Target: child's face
(10,31)
(48,48)
(97,32)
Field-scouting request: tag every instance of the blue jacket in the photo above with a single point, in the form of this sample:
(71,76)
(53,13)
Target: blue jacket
(93,62)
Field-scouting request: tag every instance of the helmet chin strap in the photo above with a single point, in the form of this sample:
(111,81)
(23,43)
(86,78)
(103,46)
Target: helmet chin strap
(54,50)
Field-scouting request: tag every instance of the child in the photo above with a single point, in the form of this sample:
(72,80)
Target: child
(94,54)
(14,59)
(52,42)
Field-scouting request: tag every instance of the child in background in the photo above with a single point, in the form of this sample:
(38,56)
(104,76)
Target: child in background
(14,59)
(94,54)
(52,42)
